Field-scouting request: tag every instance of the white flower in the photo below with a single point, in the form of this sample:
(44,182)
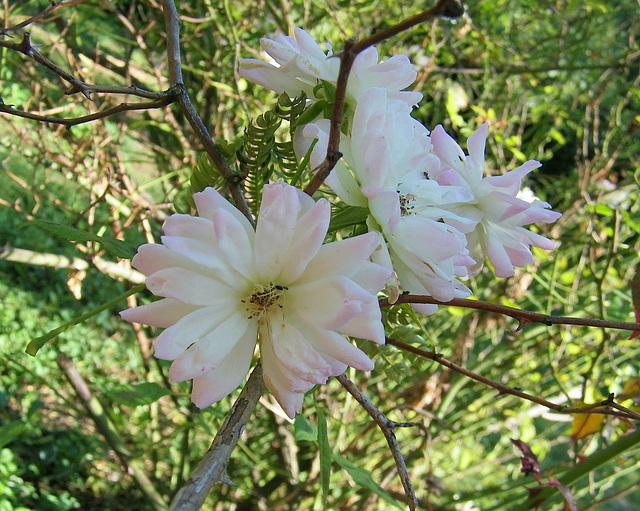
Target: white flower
(226,286)
(499,213)
(388,154)
(301,64)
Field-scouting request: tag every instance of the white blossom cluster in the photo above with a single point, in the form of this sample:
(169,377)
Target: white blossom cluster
(440,216)
(434,217)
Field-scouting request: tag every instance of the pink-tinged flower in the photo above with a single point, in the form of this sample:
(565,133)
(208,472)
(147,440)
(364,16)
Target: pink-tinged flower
(226,287)
(499,212)
(388,155)
(302,63)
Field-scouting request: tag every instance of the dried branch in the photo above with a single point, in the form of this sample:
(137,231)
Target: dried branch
(213,466)
(444,8)
(523,317)
(233,181)
(49,10)
(603,407)
(122,107)
(388,429)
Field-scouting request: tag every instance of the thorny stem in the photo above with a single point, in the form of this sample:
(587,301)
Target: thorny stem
(604,407)
(523,317)
(212,468)
(444,8)
(388,429)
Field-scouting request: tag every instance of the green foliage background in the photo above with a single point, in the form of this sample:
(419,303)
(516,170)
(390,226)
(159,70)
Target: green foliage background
(557,80)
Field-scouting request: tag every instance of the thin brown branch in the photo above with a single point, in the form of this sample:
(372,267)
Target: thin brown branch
(444,8)
(212,468)
(523,317)
(232,180)
(122,107)
(26,48)
(388,429)
(603,407)
(33,19)
(131,90)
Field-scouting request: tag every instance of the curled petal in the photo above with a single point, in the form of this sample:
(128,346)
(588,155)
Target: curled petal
(278,383)
(476,144)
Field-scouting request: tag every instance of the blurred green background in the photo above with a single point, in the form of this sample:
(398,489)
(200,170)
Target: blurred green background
(558,81)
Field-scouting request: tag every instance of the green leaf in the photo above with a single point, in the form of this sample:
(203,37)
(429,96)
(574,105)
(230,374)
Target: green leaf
(304,429)
(131,394)
(325,456)
(363,478)
(348,217)
(38,342)
(311,113)
(115,247)
(10,431)
(603,209)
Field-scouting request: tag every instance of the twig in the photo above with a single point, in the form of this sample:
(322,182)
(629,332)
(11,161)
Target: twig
(444,8)
(388,429)
(602,408)
(213,466)
(232,180)
(523,317)
(593,462)
(122,107)
(98,415)
(53,7)
(25,47)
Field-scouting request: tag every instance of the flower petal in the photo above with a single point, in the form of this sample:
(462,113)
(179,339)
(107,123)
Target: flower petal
(211,349)
(161,313)
(173,341)
(308,236)
(219,382)
(334,345)
(342,257)
(329,303)
(208,200)
(190,287)
(276,224)
(290,400)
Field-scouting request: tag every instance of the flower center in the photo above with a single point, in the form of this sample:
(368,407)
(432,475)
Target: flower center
(406,203)
(262,299)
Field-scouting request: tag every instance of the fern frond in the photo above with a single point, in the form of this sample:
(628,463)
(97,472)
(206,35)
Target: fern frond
(255,155)
(290,109)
